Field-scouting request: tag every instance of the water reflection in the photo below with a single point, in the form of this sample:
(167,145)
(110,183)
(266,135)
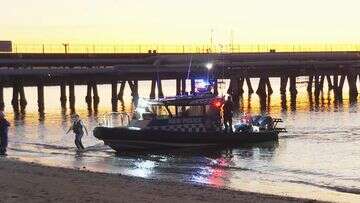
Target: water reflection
(122,105)
(217,164)
(143,168)
(322,130)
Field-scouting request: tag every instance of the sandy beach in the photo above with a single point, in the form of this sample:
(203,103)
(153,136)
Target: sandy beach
(29,182)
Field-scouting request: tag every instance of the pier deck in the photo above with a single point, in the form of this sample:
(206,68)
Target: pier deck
(25,69)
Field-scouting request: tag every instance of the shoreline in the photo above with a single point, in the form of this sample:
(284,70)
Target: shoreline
(32,182)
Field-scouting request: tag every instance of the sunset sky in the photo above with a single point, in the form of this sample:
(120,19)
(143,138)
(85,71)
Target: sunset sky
(185,21)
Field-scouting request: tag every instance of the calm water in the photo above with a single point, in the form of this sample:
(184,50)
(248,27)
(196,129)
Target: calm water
(318,158)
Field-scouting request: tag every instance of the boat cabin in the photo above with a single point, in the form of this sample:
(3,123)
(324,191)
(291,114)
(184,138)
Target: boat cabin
(188,113)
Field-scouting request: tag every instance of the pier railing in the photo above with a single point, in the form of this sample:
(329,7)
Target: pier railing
(175,48)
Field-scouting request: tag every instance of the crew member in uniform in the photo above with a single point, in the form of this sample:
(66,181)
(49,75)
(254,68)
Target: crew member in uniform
(228,110)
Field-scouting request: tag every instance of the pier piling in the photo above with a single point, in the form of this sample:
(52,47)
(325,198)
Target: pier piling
(241,86)
(156,83)
(330,85)
(63,95)
(136,83)
(283,84)
(134,88)
(322,80)
(178,86)
(338,86)
(160,90)
(192,91)
(262,86)
(72,97)
(283,102)
(114,98)
(18,91)
(41,100)
(268,85)
(233,89)
(293,90)
(342,81)
(152,92)
(183,86)
(23,101)
(310,83)
(15,96)
(250,88)
(352,79)
(317,86)
(335,84)
(88,97)
(121,91)
(96,97)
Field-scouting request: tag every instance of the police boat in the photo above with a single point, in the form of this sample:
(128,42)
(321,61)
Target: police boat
(189,121)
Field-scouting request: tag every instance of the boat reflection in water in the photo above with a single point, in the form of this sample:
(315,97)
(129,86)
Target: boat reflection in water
(217,166)
(214,166)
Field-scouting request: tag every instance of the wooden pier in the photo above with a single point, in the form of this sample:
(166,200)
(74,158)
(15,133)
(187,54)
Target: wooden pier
(67,70)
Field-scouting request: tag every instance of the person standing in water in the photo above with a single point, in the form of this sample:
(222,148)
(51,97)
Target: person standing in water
(77,127)
(4,126)
(228,109)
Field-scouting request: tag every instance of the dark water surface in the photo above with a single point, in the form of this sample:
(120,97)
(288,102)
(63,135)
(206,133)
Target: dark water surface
(318,158)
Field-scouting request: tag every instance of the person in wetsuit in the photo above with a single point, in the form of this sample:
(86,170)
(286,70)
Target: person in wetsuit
(4,126)
(228,110)
(77,127)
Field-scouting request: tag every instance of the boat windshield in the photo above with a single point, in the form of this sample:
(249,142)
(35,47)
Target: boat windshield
(166,112)
(147,110)
(151,112)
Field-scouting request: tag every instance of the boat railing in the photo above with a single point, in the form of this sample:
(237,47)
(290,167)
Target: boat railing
(276,122)
(115,119)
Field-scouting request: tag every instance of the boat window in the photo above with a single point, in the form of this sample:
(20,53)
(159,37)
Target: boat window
(148,113)
(161,112)
(189,111)
(143,113)
(212,112)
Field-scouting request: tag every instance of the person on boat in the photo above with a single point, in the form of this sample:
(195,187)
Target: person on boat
(77,127)
(228,110)
(4,126)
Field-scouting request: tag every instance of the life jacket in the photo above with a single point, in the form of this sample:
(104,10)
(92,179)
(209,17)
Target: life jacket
(77,127)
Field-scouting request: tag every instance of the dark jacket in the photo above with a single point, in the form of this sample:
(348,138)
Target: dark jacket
(228,109)
(78,127)
(4,127)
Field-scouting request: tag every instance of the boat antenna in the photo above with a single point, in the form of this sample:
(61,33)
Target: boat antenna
(189,68)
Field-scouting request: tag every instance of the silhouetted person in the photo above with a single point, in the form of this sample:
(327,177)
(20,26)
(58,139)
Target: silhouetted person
(228,110)
(4,126)
(77,127)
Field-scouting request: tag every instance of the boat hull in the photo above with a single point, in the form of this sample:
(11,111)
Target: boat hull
(125,139)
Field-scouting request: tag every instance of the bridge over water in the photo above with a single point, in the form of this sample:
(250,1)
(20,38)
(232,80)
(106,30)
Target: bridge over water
(37,69)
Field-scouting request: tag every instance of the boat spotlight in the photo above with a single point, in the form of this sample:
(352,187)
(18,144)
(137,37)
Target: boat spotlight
(209,66)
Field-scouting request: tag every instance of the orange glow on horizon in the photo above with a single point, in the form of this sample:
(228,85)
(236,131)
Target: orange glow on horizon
(182,22)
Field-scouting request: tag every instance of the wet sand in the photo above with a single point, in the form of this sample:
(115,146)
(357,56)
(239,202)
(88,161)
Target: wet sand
(29,182)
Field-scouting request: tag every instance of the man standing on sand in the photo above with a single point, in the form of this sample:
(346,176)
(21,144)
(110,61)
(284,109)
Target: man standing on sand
(4,126)
(77,127)
(228,109)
